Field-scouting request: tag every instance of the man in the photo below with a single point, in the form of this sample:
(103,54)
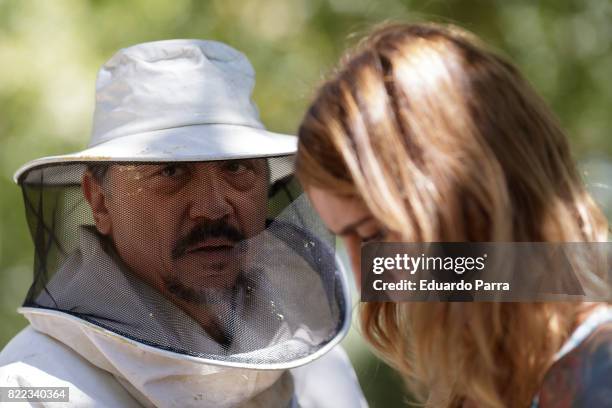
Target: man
(174,264)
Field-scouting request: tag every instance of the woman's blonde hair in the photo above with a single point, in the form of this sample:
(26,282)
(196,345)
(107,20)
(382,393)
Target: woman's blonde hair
(444,140)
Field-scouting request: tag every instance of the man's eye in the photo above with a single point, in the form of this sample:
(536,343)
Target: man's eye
(172,171)
(234,167)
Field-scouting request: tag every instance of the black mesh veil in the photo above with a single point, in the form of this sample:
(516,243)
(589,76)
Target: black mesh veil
(224,260)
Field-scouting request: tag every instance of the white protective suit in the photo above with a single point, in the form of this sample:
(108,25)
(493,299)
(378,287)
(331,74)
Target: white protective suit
(103,369)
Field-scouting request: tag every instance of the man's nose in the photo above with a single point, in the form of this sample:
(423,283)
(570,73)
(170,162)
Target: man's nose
(209,198)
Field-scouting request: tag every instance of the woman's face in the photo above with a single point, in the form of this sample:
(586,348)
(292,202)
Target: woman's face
(350,219)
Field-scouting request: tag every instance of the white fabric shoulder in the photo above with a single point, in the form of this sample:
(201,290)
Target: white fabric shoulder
(33,359)
(329,381)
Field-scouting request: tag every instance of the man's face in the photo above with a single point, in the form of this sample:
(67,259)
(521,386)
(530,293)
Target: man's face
(178,226)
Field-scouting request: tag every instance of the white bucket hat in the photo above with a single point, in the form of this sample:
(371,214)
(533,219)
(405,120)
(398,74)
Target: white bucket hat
(175,100)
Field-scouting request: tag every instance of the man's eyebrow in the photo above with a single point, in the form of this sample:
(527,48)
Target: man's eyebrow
(354,225)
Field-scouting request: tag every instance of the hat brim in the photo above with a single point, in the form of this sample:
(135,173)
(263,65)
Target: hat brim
(188,143)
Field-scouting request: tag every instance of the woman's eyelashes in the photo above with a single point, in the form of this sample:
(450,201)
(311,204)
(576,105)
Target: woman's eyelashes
(379,235)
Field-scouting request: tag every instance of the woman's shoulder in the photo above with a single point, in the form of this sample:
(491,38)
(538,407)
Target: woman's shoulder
(583,376)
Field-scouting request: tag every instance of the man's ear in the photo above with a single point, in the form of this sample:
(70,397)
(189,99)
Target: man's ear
(96,197)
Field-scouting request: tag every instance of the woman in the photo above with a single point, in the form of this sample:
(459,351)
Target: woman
(426,135)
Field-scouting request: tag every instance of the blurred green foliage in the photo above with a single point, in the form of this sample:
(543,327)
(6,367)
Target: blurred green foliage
(50,52)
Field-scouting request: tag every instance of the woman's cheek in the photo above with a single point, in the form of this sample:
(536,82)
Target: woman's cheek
(353,248)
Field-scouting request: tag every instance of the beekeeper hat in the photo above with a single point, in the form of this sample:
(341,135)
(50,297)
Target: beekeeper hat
(175,100)
(284,300)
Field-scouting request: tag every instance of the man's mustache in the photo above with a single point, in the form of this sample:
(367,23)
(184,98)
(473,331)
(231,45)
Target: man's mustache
(204,231)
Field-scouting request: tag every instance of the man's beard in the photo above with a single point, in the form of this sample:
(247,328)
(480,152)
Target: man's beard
(199,296)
